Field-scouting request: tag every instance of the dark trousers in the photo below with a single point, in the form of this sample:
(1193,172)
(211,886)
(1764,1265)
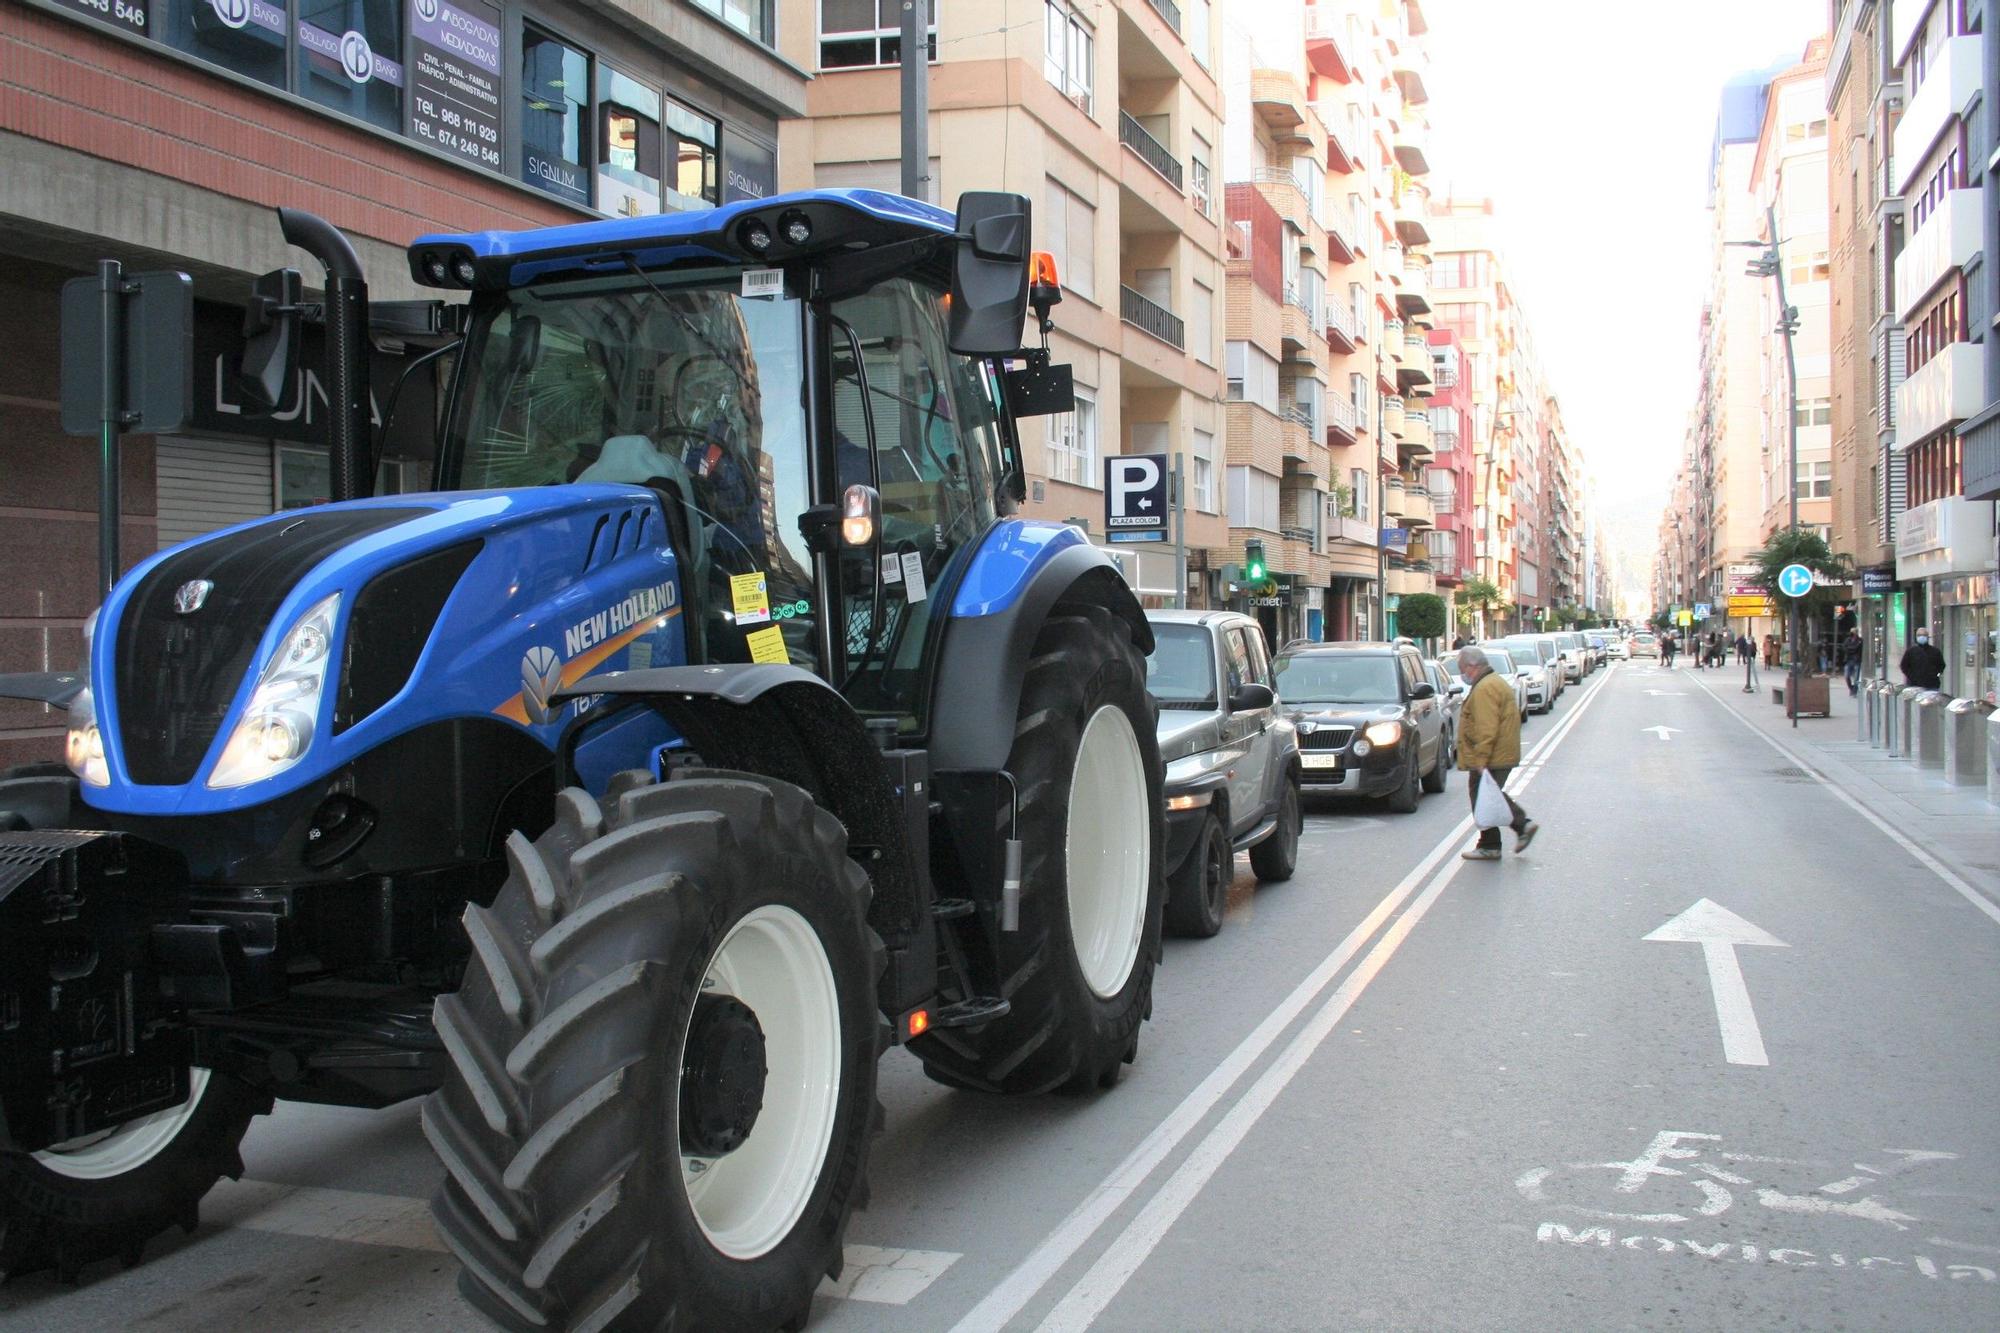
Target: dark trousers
(1490,837)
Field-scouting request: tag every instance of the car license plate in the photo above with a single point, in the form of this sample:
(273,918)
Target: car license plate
(1331,761)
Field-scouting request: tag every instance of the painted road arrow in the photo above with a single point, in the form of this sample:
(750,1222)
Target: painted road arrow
(1719,932)
(1664,733)
(1674,694)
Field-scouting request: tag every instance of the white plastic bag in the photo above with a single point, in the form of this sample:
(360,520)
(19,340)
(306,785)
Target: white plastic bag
(1490,808)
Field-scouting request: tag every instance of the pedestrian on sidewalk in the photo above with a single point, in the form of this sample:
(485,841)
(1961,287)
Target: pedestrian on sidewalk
(1489,741)
(1746,651)
(1850,653)
(1923,664)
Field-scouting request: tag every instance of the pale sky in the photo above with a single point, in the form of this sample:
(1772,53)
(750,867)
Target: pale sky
(1590,122)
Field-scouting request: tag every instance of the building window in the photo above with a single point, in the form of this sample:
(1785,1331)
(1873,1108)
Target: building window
(1814,268)
(1204,471)
(628,145)
(250,41)
(1067,51)
(1357,398)
(1806,131)
(1198,177)
(351,57)
(1815,480)
(1201,323)
(1361,493)
(1072,442)
(1253,499)
(1070,232)
(1194,27)
(694,164)
(555,115)
(1814,412)
(858,34)
(1253,375)
(752,18)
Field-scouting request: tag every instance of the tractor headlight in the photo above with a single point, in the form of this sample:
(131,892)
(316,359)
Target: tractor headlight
(1384,733)
(83,747)
(277,727)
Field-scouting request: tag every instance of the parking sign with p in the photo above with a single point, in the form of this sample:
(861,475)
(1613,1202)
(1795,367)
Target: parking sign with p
(1135,497)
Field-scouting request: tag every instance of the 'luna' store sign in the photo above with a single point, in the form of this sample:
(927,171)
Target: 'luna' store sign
(219,409)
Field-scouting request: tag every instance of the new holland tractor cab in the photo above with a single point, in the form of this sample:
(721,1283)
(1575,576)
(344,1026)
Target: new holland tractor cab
(710,728)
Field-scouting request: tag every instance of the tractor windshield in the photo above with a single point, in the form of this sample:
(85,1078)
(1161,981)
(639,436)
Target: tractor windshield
(676,382)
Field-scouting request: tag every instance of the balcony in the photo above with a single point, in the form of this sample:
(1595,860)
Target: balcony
(1413,297)
(1942,392)
(1410,139)
(1351,529)
(1945,243)
(1389,264)
(1276,100)
(1954,81)
(1149,150)
(1169,11)
(1392,416)
(1395,499)
(1339,423)
(1340,330)
(1406,582)
(1341,156)
(1340,247)
(1151,317)
(1282,191)
(1416,432)
(1326,43)
(1407,65)
(1417,508)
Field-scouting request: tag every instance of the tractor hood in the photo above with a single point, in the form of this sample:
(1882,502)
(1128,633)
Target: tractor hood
(388,614)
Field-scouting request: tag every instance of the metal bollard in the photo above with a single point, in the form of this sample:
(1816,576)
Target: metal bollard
(1871,708)
(1993,758)
(1904,743)
(1965,742)
(1929,747)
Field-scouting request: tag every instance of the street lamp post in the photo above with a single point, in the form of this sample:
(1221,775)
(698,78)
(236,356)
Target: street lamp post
(1769,263)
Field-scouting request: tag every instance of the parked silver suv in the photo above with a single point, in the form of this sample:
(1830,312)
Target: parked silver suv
(1232,761)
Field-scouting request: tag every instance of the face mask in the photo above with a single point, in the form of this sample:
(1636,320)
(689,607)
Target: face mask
(1923,638)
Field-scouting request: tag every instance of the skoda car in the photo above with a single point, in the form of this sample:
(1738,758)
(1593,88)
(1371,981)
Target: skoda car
(1369,720)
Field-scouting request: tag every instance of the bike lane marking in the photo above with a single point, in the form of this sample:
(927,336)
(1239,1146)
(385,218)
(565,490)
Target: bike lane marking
(1109,1274)
(1923,858)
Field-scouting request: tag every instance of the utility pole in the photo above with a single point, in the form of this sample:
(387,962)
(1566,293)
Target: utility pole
(1770,263)
(916,88)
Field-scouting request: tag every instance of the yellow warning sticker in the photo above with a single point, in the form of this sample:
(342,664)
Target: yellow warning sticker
(749,598)
(768,645)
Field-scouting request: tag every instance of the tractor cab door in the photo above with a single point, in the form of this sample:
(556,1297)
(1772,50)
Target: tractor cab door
(921,424)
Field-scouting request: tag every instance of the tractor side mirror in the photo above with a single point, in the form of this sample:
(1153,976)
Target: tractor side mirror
(271,340)
(989,275)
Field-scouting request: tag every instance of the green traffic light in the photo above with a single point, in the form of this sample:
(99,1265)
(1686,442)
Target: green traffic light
(1253,563)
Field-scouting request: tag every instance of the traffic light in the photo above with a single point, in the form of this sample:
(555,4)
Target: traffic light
(1253,563)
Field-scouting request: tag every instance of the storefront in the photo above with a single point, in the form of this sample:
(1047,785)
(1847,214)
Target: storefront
(1945,566)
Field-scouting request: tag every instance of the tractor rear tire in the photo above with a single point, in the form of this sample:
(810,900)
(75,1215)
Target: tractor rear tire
(1086,761)
(105,1197)
(662,1092)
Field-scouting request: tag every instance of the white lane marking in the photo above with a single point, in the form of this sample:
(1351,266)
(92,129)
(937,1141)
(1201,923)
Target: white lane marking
(870,1273)
(1095,1290)
(1664,733)
(1924,858)
(887,1277)
(1671,694)
(1719,932)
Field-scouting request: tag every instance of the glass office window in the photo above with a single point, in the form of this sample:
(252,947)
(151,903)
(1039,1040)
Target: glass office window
(693,161)
(555,115)
(351,57)
(628,145)
(244,36)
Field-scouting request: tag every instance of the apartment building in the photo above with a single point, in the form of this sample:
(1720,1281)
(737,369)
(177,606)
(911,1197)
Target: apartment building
(1864,99)
(1450,474)
(1940,154)
(164,135)
(1788,185)
(1107,115)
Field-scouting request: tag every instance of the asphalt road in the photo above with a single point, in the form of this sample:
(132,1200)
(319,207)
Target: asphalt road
(1400,1091)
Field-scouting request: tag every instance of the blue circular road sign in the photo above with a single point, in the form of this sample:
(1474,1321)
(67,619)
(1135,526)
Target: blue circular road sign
(1795,580)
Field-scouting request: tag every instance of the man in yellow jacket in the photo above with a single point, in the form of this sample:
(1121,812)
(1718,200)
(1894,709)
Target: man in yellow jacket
(1489,741)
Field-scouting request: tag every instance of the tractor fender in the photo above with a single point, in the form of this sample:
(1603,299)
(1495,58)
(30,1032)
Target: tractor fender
(995,618)
(784,723)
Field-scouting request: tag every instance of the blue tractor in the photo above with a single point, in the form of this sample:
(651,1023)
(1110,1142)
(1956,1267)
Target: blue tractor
(709,728)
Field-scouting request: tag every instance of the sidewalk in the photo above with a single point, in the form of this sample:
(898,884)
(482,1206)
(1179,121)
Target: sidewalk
(1957,825)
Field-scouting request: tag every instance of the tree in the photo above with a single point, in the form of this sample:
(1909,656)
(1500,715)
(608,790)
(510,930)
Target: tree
(1477,596)
(1803,546)
(1421,615)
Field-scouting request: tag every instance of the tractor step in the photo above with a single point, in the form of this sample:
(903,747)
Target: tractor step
(948,909)
(970,1013)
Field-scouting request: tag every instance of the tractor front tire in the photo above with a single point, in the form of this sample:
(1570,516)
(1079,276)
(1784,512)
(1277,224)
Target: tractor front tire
(662,1091)
(1078,974)
(105,1196)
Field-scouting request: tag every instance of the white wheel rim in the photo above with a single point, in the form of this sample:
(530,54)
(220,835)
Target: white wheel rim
(749,1200)
(1108,851)
(128,1147)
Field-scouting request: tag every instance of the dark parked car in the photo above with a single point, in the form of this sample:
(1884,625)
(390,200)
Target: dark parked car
(1232,761)
(1369,719)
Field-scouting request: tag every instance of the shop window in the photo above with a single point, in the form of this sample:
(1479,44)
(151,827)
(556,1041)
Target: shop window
(246,37)
(856,34)
(555,108)
(628,145)
(694,164)
(351,57)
